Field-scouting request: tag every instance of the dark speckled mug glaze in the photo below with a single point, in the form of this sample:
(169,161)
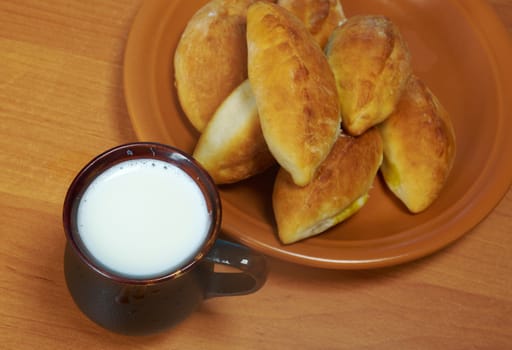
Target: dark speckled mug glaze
(144,306)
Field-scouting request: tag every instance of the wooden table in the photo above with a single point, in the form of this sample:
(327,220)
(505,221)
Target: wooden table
(61,103)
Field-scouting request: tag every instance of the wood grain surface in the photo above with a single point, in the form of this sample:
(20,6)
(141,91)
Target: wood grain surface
(61,103)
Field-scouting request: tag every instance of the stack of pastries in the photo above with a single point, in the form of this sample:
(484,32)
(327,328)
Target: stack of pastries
(331,100)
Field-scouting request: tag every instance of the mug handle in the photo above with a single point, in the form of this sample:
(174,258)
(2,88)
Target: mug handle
(252,265)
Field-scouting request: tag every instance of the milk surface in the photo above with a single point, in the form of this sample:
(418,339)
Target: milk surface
(143,218)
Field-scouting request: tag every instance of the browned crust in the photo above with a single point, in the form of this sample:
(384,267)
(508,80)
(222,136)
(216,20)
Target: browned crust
(211,58)
(320,17)
(419,147)
(371,63)
(347,174)
(294,89)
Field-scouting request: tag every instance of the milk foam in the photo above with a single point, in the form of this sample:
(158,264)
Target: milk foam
(143,218)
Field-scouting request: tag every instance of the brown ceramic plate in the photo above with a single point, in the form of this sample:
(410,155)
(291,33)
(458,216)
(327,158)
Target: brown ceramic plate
(459,49)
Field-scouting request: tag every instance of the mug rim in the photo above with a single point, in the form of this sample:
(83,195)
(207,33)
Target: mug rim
(140,150)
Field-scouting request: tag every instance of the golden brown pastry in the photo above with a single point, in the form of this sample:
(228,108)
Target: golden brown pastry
(294,89)
(232,147)
(338,190)
(419,147)
(321,17)
(211,58)
(371,63)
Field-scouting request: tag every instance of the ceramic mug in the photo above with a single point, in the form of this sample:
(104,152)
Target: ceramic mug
(149,302)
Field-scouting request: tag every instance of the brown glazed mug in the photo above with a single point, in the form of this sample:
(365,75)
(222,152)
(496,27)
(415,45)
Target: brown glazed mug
(138,306)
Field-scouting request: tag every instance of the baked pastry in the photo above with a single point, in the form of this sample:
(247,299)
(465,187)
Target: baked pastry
(294,89)
(210,60)
(338,190)
(371,63)
(419,147)
(232,147)
(320,17)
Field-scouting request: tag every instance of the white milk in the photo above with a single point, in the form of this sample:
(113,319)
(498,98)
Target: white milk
(143,218)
